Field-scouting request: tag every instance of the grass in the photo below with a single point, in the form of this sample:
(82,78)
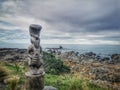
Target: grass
(16,74)
(62,81)
(70,82)
(4,72)
(13,82)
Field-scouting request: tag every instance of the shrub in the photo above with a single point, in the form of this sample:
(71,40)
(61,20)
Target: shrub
(53,65)
(76,85)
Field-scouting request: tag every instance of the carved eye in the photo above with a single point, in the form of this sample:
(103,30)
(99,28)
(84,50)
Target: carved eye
(37,38)
(36,54)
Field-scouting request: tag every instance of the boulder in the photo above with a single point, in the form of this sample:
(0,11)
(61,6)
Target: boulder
(115,58)
(50,88)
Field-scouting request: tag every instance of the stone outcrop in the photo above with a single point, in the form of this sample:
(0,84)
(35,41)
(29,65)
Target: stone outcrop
(115,58)
(50,88)
(94,67)
(88,57)
(13,54)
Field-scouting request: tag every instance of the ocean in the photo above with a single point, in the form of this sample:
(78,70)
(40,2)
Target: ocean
(98,49)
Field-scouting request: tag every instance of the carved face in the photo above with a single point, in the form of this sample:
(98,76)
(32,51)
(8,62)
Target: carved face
(35,41)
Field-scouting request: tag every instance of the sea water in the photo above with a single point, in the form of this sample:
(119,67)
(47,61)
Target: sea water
(98,49)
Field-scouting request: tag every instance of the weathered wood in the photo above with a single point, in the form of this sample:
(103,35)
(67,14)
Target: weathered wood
(34,82)
(35,75)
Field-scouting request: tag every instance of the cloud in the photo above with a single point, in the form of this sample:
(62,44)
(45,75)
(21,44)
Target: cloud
(12,36)
(65,21)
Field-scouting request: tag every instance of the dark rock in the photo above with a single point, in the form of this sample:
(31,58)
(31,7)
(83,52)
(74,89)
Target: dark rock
(50,88)
(13,54)
(106,59)
(90,54)
(115,58)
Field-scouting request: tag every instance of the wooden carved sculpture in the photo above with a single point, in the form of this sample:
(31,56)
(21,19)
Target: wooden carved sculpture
(35,75)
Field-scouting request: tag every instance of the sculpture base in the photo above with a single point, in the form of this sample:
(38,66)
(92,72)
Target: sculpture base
(34,82)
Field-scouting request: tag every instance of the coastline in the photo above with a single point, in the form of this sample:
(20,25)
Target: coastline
(100,71)
(98,49)
(18,52)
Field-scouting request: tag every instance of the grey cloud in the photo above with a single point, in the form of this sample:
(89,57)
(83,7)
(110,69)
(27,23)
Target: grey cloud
(6,23)
(57,37)
(12,34)
(76,17)
(75,13)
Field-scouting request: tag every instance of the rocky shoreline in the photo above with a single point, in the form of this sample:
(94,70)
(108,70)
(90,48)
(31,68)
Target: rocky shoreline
(89,57)
(104,71)
(13,54)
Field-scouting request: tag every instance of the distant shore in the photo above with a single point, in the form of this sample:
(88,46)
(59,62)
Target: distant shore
(98,49)
(21,54)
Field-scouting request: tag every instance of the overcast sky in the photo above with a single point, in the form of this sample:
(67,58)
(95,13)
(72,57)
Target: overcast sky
(62,21)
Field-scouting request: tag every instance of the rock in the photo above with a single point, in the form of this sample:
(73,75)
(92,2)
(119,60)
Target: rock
(88,57)
(115,58)
(50,88)
(91,54)
(106,59)
(13,54)
(69,56)
(100,73)
(96,64)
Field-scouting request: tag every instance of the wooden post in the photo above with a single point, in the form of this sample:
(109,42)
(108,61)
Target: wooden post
(35,74)
(34,82)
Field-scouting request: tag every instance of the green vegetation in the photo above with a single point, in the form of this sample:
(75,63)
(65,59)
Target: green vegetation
(3,73)
(70,82)
(13,82)
(55,76)
(15,76)
(53,65)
